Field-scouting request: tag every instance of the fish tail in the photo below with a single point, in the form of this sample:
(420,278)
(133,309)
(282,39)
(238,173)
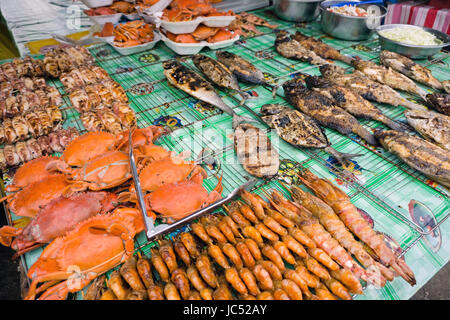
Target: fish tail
(244,95)
(392,124)
(411,105)
(342,157)
(346,59)
(274,89)
(366,135)
(237,119)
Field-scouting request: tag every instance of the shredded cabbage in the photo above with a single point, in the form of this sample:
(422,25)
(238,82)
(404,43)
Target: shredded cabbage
(411,35)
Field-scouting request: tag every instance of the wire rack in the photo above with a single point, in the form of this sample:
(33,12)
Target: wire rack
(196,126)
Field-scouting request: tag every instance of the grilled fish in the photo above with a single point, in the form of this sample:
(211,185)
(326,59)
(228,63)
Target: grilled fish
(433,126)
(320,48)
(324,110)
(190,82)
(288,47)
(388,76)
(446,86)
(348,100)
(242,69)
(409,68)
(218,73)
(299,129)
(439,102)
(255,152)
(424,156)
(365,87)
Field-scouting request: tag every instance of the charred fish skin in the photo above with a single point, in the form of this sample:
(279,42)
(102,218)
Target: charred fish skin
(409,68)
(446,86)
(288,47)
(439,102)
(418,153)
(324,110)
(190,82)
(348,100)
(255,151)
(388,76)
(321,49)
(433,126)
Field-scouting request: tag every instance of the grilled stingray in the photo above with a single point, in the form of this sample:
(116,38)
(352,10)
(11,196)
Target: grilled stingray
(388,76)
(424,156)
(242,69)
(190,82)
(433,126)
(320,48)
(365,87)
(255,151)
(299,129)
(346,99)
(409,68)
(218,73)
(439,102)
(324,110)
(288,47)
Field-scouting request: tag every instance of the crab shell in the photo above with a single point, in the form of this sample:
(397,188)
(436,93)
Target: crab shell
(140,137)
(88,146)
(60,216)
(93,247)
(30,172)
(28,201)
(177,200)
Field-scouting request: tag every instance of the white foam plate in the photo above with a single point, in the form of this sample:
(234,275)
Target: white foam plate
(97,3)
(190,26)
(194,48)
(136,49)
(101,20)
(132,16)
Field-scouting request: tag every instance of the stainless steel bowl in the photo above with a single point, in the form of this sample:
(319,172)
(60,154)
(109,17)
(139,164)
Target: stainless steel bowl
(348,27)
(411,50)
(296,10)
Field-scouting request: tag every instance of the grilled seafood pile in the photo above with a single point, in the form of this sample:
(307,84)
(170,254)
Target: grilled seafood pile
(186,10)
(289,47)
(12,155)
(63,59)
(277,250)
(245,24)
(132,33)
(21,67)
(202,33)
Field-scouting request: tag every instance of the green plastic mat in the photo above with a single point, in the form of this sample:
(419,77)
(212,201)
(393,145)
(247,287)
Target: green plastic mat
(403,204)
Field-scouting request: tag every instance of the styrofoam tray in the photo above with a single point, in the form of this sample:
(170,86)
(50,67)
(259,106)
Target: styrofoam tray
(136,49)
(132,16)
(97,3)
(194,48)
(190,26)
(101,20)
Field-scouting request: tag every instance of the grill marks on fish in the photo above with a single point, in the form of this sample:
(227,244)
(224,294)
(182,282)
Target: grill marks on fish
(255,151)
(418,153)
(388,76)
(409,68)
(439,102)
(365,87)
(432,126)
(324,110)
(351,102)
(320,48)
(288,47)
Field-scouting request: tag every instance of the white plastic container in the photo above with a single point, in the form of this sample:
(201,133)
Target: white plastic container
(194,48)
(132,16)
(101,20)
(97,3)
(136,49)
(190,26)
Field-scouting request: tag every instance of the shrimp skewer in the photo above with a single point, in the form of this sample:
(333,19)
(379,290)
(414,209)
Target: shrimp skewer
(216,253)
(256,203)
(233,254)
(168,254)
(338,289)
(339,231)
(347,278)
(246,255)
(349,214)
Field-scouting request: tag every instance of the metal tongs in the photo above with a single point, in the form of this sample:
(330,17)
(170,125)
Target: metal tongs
(153,231)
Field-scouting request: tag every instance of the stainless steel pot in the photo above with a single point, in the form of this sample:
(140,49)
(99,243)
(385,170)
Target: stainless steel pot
(296,10)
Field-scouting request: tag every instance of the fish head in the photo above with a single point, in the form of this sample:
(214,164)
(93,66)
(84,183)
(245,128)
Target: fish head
(225,56)
(294,86)
(316,82)
(331,70)
(198,58)
(271,109)
(169,64)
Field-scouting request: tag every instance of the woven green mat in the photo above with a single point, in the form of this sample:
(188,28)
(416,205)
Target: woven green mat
(405,205)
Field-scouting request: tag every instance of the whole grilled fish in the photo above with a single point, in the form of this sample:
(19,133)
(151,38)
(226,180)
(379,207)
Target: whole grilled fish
(348,100)
(409,68)
(388,77)
(299,130)
(433,126)
(424,156)
(190,82)
(439,102)
(242,69)
(218,73)
(324,110)
(365,87)
(288,47)
(255,152)
(320,48)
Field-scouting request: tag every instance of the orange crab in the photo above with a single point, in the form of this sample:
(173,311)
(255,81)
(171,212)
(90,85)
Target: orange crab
(174,201)
(181,38)
(133,33)
(203,32)
(123,7)
(185,10)
(222,35)
(92,248)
